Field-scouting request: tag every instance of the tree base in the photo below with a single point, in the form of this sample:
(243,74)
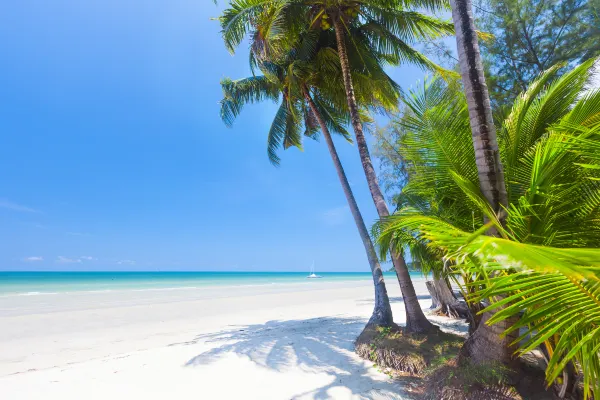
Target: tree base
(431,364)
(443,301)
(421,328)
(489,345)
(461,381)
(395,350)
(456,310)
(382,316)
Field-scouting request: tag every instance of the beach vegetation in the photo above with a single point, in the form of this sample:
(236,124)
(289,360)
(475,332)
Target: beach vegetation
(532,36)
(306,84)
(396,351)
(371,34)
(540,269)
(505,207)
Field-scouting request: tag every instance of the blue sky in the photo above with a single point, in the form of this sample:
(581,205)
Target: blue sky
(113,156)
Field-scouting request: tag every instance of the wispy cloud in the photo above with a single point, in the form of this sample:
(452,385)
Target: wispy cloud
(4,203)
(77,234)
(73,260)
(67,260)
(126,262)
(335,215)
(33,259)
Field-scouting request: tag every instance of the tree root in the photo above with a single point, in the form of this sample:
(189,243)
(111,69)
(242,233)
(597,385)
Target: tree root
(457,310)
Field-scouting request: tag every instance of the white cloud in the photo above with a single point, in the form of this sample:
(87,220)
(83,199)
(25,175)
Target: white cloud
(336,215)
(67,260)
(4,203)
(33,259)
(126,262)
(77,234)
(594,83)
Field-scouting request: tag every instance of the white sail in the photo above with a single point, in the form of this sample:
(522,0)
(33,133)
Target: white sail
(312,272)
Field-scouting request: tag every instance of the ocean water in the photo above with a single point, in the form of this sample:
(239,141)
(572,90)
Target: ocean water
(46,283)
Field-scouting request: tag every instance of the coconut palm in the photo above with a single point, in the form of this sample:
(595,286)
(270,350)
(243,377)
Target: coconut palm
(541,262)
(489,168)
(370,33)
(304,83)
(484,345)
(558,289)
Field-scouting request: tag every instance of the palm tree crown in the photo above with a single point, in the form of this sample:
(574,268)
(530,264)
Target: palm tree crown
(304,79)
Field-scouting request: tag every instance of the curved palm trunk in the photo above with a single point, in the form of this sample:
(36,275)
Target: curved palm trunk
(445,301)
(382,313)
(415,318)
(485,345)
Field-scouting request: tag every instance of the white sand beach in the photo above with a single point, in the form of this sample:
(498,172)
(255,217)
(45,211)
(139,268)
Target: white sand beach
(285,341)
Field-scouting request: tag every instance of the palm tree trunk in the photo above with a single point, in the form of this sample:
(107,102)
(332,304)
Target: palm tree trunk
(446,302)
(487,156)
(485,345)
(415,318)
(382,313)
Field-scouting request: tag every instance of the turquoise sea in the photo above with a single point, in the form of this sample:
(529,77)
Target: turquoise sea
(39,283)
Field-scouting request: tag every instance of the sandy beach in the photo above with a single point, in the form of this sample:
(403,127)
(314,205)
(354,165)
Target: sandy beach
(284,341)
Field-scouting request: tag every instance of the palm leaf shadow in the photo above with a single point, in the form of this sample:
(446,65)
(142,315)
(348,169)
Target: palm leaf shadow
(316,345)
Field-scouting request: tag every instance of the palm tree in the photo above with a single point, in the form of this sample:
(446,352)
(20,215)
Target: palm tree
(415,318)
(549,148)
(489,168)
(558,289)
(380,32)
(301,79)
(485,344)
(382,314)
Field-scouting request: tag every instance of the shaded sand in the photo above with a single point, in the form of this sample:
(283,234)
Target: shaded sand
(286,341)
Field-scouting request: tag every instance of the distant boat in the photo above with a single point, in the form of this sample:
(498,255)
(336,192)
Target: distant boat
(312,272)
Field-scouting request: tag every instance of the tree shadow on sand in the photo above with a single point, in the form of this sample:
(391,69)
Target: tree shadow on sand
(317,345)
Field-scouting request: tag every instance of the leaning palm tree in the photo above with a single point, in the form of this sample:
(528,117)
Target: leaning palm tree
(341,15)
(549,149)
(301,79)
(369,33)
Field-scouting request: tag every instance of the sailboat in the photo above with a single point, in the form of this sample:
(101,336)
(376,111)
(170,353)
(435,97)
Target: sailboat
(312,272)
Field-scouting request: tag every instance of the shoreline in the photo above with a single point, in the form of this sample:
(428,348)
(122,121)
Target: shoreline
(28,304)
(198,281)
(298,343)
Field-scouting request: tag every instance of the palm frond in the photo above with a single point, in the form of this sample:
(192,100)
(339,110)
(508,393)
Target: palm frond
(238,93)
(236,21)
(538,108)
(284,132)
